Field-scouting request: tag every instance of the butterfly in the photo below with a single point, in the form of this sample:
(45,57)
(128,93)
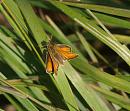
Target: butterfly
(57,54)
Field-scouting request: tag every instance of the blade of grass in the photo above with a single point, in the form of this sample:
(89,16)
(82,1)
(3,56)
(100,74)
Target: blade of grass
(11,91)
(7,32)
(101,8)
(74,38)
(121,50)
(113,21)
(99,55)
(26,101)
(66,90)
(87,47)
(13,24)
(29,104)
(12,61)
(102,76)
(123,38)
(100,23)
(19,27)
(32,21)
(87,93)
(107,19)
(13,102)
(113,97)
(23,68)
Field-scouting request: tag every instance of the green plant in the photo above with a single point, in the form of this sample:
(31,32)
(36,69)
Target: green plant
(79,85)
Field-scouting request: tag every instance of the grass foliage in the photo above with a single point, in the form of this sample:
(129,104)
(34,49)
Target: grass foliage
(81,84)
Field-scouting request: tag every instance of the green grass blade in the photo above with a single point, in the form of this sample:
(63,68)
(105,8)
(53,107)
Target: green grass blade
(87,47)
(30,17)
(66,90)
(19,28)
(113,97)
(12,20)
(27,104)
(101,8)
(14,62)
(113,21)
(87,93)
(13,102)
(102,76)
(106,19)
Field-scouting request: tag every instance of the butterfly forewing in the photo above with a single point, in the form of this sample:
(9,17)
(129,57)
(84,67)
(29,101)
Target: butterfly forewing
(65,52)
(68,55)
(62,47)
(55,54)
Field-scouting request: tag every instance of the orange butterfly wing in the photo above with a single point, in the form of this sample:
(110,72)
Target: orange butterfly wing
(68,55)
(55,66)
(49,64)
(62,47)
(65,52)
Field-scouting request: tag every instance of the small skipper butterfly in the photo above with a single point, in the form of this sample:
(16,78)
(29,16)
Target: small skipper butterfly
(57,54)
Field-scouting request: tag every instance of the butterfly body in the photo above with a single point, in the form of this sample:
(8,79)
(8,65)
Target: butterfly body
(57,55)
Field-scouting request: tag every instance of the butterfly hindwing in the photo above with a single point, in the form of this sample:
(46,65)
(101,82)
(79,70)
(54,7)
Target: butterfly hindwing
(49,64)
(55,66)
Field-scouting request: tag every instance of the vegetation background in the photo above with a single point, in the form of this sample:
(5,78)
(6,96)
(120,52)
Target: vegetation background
(97,30)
